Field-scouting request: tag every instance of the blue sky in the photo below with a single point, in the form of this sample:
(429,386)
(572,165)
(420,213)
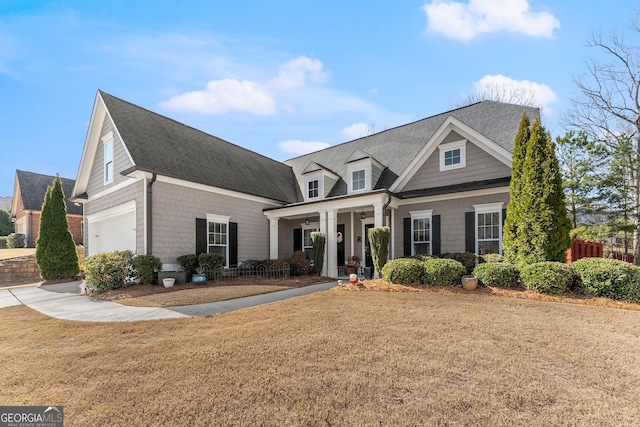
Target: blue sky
(278,77)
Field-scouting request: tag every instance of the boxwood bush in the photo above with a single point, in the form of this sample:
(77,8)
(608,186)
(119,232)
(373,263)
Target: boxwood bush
(213,264)
(492,258)
(467,259)
(107,270)
(609,278)
(145,268)
(497,274)
(443,272)
(3,242)
(403,271)
(547,277)
(16,240)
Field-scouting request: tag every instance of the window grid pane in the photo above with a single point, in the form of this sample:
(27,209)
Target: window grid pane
(313,189)
(218,239)
(357,179)
(452,157)
(488,233)
(422,236)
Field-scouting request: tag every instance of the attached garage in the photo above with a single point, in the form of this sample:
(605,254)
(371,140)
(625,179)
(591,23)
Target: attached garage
(112,229)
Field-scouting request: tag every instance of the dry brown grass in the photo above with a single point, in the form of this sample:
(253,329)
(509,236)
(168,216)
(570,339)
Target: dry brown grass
(199,295)
(335,358)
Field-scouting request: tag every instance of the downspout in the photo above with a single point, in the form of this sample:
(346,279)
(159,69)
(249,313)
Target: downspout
(384,210)
(150,214)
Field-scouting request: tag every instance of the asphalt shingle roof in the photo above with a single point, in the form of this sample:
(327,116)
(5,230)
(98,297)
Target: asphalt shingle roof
(33,187)
(395,148)
(164,146)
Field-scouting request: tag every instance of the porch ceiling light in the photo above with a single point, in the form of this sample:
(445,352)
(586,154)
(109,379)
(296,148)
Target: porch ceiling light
(362,215)
(307,221)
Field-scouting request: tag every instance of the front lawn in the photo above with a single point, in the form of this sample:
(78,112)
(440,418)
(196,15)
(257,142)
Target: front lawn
(335,358)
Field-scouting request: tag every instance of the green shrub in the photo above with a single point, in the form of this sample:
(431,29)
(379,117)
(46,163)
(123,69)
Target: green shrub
(547,277)
(379,243)
(213,265)
(609,278)
(300,265)
(403,271)
(497,274)
(145,268)
(467,259)
(443,272)
(492,258)
(3,242)
(421,257)
(107,270)
(188,262)
(318,240)
(16,240)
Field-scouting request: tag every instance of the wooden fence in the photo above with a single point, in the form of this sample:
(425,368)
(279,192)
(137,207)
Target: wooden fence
(581,249)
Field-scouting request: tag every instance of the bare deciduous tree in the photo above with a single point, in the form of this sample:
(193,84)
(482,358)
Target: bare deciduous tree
(607,105)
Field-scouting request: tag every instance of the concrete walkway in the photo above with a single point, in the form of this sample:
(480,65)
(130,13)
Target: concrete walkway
(67,301)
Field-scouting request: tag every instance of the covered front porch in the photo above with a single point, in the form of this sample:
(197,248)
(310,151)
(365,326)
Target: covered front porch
(344,221)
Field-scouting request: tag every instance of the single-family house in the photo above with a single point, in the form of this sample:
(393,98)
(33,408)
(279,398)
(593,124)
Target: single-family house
(29,189)
(153,185)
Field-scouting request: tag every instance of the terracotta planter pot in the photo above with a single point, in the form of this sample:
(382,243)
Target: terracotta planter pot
(469,282)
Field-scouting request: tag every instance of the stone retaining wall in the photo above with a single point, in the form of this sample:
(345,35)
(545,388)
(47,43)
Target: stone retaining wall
(19,270)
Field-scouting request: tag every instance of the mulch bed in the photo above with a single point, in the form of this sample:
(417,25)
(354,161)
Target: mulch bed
(522,293)
(142,290)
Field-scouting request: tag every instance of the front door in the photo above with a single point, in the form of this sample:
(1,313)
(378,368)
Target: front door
(341,240)
(368,261)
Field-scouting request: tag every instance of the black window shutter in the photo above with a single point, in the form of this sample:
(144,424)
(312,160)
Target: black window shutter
(201,236)
(297,239)
(435,235)
(233,243)
(470,231)
(407,236)
(504,216)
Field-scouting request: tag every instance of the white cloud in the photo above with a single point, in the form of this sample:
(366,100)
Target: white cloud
(506,89)
(464,21)
(299,147)
(222,96)
(357,130)
(297,73)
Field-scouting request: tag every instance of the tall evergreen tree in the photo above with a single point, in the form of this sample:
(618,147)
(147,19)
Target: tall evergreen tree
(6,226)
(538,209)
(55,251)
(511,225)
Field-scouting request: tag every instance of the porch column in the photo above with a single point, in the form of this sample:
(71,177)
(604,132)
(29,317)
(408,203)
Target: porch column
(378,214)
(323,230)
(331,261)
(273,238)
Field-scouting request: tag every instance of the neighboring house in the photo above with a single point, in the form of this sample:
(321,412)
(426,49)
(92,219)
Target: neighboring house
(5,203)
(153,185)
(29,189)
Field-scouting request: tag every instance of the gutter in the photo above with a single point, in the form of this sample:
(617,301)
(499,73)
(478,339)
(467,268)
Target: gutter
(384,209)
(150,214)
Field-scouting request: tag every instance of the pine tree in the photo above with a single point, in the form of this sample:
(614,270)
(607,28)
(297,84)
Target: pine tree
(537,215)
(511,224)
(55,251)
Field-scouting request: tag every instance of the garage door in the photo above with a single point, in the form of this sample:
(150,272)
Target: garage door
(112,232)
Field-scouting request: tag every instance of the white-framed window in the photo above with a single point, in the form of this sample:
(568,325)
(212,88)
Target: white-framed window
(421,232)
(307,244)
(453,155)
(488,228)
(358,180)
(312,189)
(107,148)
(218,236)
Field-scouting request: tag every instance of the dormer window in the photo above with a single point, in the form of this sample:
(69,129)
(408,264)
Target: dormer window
(312,187)
(107,148)
(453,155)
(358,180)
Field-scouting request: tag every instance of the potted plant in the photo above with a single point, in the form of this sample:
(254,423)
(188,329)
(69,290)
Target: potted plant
(199,276)
(352,265)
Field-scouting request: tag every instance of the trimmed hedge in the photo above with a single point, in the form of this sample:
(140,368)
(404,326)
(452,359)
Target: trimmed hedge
(467,259)
(403,271)
(213,264)
(497,274)
(16,240)
(188,262)
(443,272)
(3,242)
(145,268)
(609,278)
(492,258)
(300,265)
(107,270)
(547,277)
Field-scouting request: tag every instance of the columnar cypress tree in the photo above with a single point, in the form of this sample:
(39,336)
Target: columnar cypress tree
(514,211)
(539,213)
(318,240)
(55,251)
